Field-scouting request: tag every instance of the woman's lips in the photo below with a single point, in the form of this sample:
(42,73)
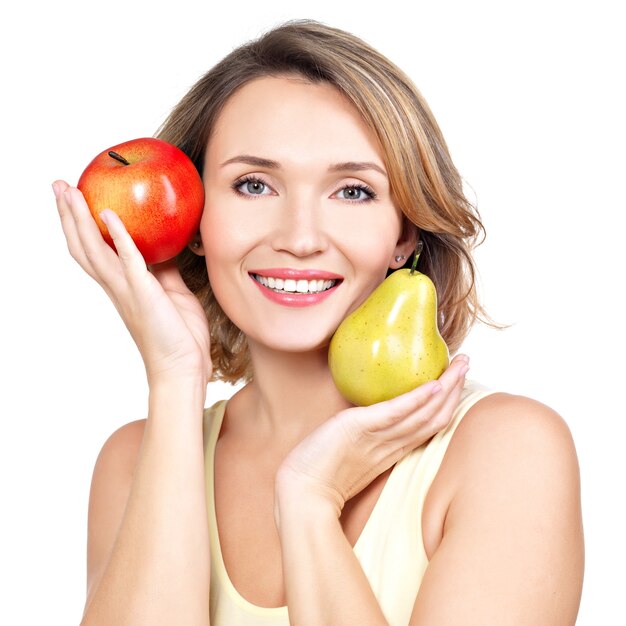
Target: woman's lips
(295,288)
(286,272)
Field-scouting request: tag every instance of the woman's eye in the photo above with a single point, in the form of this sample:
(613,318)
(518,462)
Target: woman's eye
(251,186)
(359,193)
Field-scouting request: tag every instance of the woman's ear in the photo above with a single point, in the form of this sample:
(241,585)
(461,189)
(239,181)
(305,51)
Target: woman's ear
(195,245)
(406,245)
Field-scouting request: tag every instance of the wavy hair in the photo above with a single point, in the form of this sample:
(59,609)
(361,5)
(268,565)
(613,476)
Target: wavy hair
(424,183)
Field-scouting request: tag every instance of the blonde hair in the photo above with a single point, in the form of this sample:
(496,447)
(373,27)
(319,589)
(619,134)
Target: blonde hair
(424,182)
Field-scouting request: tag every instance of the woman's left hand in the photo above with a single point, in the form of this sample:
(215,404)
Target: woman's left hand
(349,450)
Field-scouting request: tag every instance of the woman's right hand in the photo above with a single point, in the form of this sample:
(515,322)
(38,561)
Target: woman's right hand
(164,318)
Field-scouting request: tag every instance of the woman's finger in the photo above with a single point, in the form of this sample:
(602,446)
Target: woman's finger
(451,381)
(70,230)
(418,428)
(389,413)
(98,255)
(131,259)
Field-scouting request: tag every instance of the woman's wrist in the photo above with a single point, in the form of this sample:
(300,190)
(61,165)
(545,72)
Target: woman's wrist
(191,373)
(300,504)
(177,392)
(179,380)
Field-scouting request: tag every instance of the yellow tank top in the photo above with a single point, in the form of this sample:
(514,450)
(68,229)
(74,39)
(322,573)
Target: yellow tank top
(390,548)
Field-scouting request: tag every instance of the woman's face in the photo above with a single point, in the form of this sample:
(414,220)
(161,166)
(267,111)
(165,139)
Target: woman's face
(298,225)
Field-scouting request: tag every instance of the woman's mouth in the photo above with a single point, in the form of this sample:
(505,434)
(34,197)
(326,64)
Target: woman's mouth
(291,285)
(296,288)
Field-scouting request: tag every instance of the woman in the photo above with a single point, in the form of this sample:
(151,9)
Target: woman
(322,168)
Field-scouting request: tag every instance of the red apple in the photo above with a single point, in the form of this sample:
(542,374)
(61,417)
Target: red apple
(154,188)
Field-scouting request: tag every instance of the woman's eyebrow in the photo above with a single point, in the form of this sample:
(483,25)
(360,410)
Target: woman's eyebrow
(352,166)
(356,166)
(253,160)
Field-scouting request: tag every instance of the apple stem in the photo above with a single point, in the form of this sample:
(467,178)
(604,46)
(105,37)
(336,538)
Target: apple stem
(118,157)
(418,250)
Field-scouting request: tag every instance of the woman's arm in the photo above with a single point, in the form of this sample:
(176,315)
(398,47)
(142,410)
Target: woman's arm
(512,550)
(148,552)
(324,581)
(512,547)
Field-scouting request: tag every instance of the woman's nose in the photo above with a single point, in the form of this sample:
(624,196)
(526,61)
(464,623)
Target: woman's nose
(301,230)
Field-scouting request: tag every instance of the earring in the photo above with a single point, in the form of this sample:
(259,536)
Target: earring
(400,258)
(196,245)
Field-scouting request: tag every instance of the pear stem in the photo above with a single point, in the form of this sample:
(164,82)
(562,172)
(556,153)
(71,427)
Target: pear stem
(118,157)
(418,250)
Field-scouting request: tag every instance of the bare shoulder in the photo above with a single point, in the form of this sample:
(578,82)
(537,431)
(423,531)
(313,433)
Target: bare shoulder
(116,462)
(110,487)
(500,438)
(511,542)
(123,444)
(516,449)
(114,468)
(501,423)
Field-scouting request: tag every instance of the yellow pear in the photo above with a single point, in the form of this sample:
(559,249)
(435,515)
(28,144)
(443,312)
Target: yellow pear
(391,343)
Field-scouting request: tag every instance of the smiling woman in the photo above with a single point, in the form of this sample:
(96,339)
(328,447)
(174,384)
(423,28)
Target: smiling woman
(323,168)
(418,173)
(292,212)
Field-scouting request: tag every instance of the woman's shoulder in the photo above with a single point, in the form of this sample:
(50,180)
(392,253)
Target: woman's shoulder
(503,421)
(508,497)
(123,443)
(115,464)
(503,440)
(517,449)
(116,461)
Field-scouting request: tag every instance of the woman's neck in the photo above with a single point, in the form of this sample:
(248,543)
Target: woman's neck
(291,393)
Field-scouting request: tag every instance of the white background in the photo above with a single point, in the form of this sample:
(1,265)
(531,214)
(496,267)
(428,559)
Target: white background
(530,98)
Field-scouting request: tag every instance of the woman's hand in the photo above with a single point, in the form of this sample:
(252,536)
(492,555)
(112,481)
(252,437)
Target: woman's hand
(164,318)
(343,455)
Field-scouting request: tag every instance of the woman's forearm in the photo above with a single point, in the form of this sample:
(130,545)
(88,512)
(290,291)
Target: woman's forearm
(159,568)
(324,581)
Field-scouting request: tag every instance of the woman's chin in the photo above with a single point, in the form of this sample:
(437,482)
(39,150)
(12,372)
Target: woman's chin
(291,344)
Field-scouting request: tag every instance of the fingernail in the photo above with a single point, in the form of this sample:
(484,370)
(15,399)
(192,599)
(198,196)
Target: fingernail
(436,389)
(55,191)
(463,371)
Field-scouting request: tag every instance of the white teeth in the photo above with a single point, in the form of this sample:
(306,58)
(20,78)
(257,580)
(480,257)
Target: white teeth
(295,286)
